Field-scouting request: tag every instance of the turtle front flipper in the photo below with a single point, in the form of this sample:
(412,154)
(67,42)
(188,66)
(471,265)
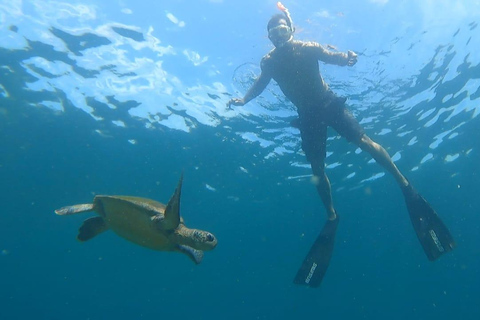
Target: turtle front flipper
(172,211)
(78,208)
(91,228)
(194,254)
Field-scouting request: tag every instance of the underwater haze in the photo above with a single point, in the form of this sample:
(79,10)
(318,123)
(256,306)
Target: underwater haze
(122,97)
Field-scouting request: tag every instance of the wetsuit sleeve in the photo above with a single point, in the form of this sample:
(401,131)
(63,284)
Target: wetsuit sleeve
(327,56)
(261,82)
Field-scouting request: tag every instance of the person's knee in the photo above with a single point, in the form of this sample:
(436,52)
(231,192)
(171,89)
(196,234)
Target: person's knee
(368,144)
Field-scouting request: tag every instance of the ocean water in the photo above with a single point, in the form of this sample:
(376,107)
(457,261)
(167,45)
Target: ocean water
(122,97)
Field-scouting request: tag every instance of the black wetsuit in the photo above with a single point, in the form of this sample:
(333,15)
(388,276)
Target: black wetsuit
(295,68)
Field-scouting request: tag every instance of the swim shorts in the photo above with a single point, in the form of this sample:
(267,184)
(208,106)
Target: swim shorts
(313,127)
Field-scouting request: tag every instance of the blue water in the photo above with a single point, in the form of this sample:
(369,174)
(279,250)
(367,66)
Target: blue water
(121,97)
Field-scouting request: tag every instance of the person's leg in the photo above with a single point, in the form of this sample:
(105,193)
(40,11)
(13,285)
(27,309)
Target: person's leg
(316,262)
(431,231)
(324,189)
(314,139)
(345,124)
(381,156)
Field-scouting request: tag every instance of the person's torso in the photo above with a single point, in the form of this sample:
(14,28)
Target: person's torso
(296,71)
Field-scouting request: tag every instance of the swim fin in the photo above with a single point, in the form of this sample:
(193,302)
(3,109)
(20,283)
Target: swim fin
(431,231)
(316,262)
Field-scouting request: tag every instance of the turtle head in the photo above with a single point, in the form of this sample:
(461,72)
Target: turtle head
(197,239)
(203,240)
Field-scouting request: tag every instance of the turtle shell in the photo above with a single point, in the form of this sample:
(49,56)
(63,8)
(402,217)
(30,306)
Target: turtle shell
(135,219)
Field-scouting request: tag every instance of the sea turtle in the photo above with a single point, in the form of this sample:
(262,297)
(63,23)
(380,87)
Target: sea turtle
(145,222)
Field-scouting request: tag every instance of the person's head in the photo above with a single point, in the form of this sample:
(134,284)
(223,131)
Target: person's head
(280,30)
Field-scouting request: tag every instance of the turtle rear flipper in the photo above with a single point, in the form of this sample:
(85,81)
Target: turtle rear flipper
(78,208)
(91,228)
(194,254)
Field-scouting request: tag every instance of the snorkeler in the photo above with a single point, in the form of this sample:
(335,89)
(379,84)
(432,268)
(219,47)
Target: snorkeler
(294,66)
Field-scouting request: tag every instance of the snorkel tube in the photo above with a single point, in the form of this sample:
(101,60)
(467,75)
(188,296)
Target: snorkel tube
(285,11)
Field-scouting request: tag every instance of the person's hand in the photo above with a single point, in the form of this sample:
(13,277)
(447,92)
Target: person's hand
(235,102)
(352,58)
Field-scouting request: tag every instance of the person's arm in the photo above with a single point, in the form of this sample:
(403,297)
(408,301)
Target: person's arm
(260,84)
(332,57)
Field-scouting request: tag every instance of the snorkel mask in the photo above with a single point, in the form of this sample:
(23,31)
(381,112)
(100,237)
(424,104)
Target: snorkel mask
(281,34)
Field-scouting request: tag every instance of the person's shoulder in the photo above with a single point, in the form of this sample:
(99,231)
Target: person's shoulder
(267,58)
(269,55)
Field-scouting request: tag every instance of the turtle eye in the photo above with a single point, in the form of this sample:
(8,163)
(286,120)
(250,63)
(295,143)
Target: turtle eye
(210,237)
